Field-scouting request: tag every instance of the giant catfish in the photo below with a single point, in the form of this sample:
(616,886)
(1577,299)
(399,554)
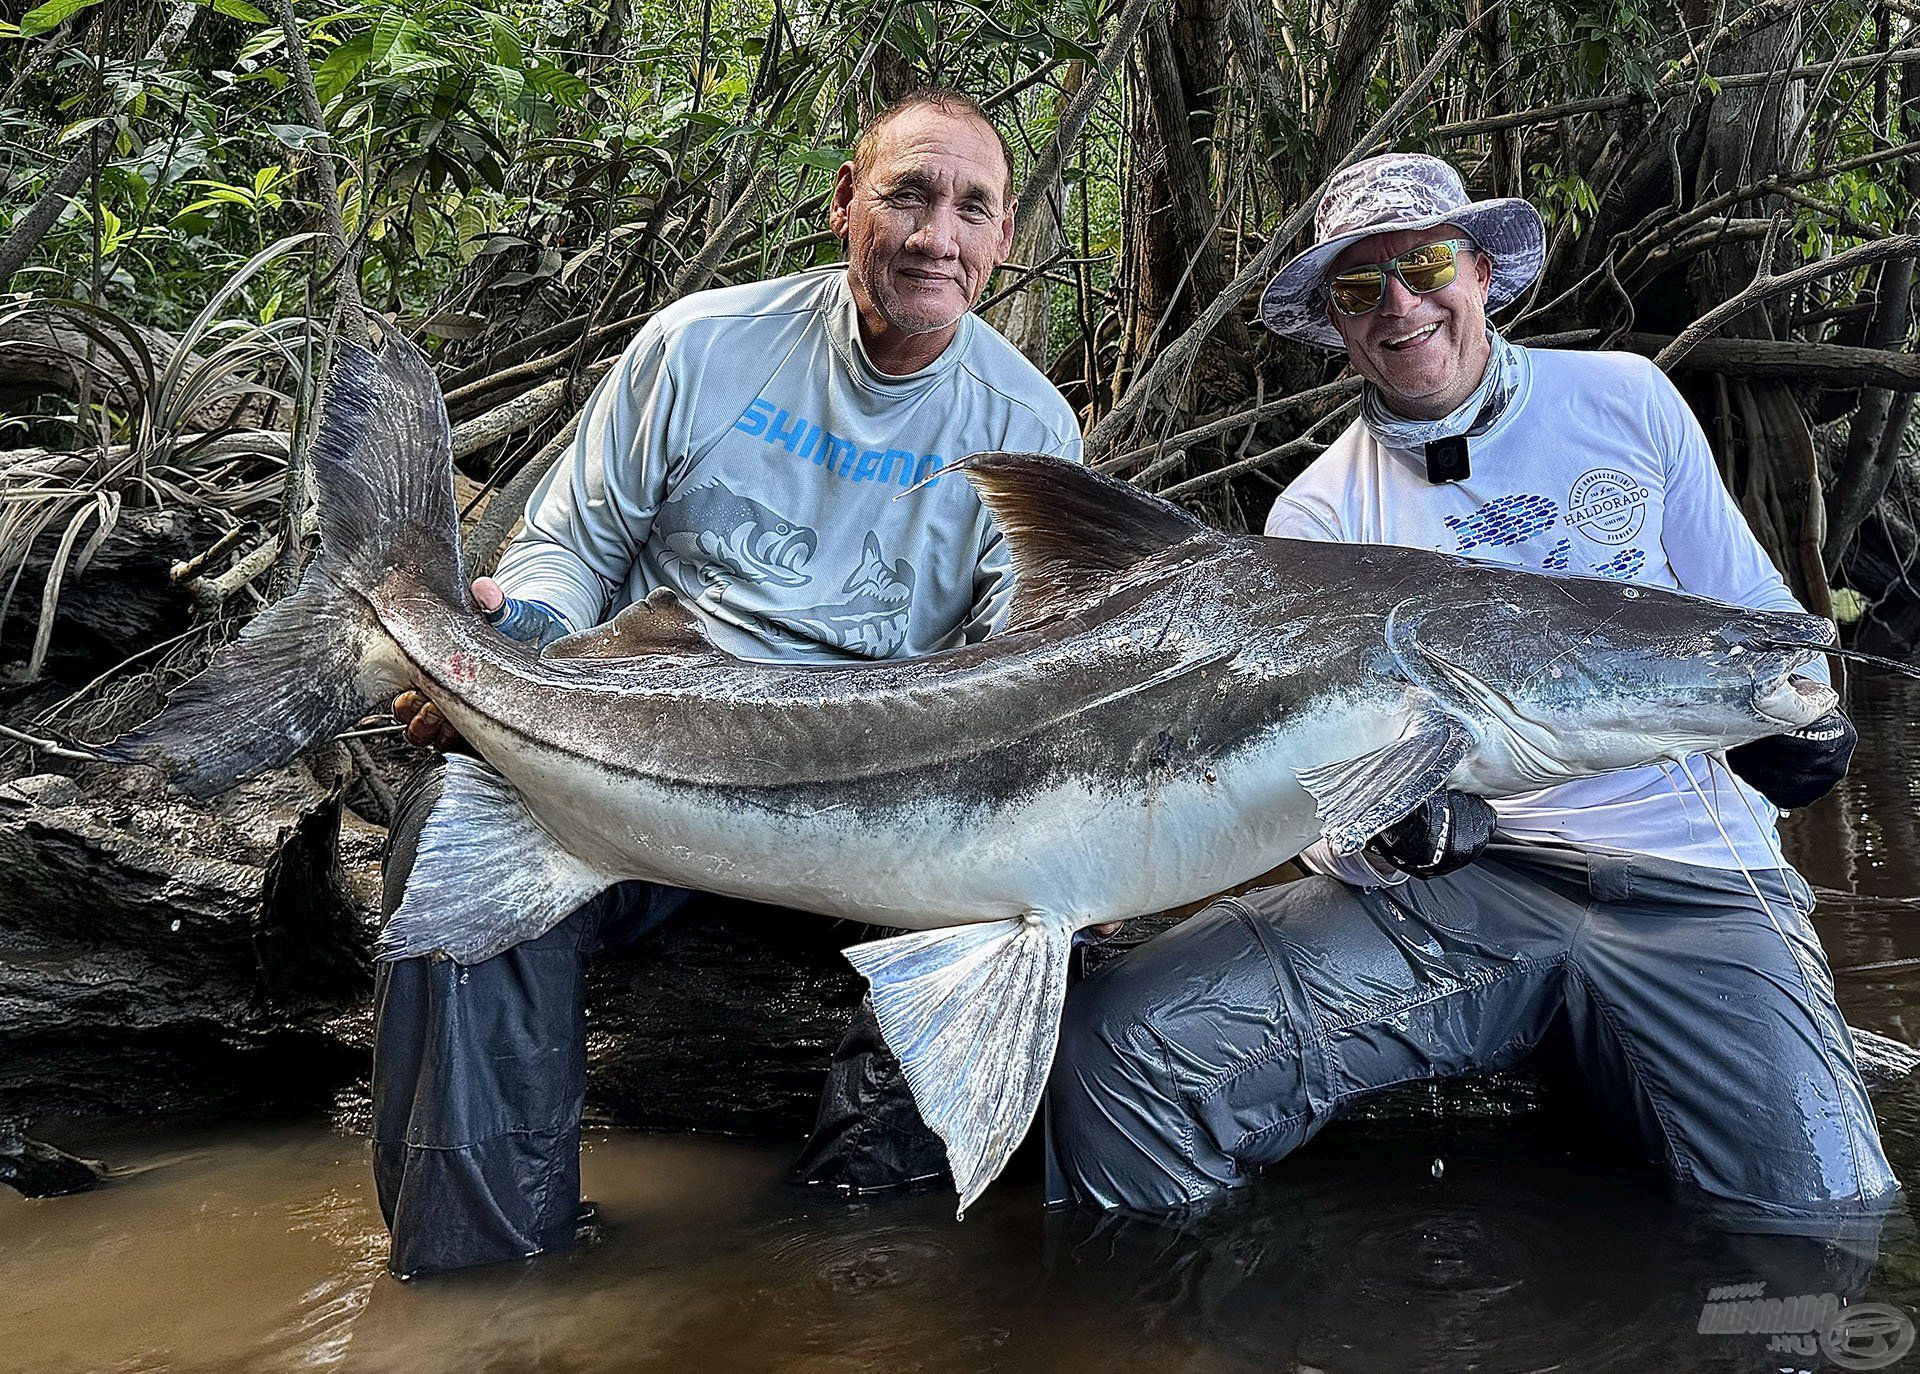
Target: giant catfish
(1170,711)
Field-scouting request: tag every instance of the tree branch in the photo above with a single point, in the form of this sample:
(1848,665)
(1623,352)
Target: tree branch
(1046,168)
(350,316)
(1766,285)
(524,411)
(1177,354)
(1547,114)
(1824,364)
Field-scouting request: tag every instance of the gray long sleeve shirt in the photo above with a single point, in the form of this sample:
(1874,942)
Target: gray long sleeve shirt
(746,453)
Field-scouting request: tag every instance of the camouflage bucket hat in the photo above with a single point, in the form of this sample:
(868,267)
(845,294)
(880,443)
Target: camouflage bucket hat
(1391,192)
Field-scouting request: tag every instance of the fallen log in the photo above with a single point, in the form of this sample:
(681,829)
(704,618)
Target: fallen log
(123,600)
(139,974)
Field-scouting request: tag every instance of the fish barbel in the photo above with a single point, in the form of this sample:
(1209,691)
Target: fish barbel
(1171,711)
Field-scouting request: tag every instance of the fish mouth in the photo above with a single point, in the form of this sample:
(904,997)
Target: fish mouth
(1784,697)
(770,556)
(782,553)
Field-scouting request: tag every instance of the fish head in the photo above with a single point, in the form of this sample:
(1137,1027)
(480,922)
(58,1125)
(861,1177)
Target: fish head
(715,527)
(1586,675)
(760,546)
(778,550)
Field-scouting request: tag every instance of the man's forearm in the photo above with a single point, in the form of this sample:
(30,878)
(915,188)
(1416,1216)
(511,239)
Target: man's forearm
(534,570)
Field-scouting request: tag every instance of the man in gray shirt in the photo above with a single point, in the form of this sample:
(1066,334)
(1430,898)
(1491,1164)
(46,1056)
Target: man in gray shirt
(772,453)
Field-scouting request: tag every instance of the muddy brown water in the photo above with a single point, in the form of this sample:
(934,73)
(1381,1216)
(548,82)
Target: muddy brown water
(1477,1235)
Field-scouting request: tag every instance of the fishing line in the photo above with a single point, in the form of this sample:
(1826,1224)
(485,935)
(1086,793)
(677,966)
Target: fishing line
(1889,1056)
(1807,981)
(1852,655)
(1733,851)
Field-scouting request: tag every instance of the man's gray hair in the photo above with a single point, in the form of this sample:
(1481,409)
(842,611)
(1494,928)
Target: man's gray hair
(942,98)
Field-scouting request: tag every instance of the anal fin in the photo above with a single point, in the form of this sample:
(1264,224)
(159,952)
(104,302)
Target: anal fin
(973,1013)
(1359,797)
(485,875)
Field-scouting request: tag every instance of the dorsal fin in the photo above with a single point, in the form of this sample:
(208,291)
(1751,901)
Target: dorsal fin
(661,624)
(1071,530)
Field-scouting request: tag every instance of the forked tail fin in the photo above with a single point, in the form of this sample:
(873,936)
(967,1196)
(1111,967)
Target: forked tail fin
(973,1012)
(313,663)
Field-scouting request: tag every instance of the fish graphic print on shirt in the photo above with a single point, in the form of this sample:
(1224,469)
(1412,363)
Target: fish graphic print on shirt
(870,619)
(1505,520)
(1604,506)
(720,536)
(716,538)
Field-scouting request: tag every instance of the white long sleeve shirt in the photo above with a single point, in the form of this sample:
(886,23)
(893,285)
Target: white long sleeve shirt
(746,453)
(1597,468)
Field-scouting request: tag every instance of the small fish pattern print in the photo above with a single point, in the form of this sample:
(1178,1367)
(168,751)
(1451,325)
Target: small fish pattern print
(1504,521)
(1623,565)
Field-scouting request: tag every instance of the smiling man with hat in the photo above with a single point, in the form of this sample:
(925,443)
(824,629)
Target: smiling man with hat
(1643,926)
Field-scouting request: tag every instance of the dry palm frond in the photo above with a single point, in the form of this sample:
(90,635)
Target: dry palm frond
(160,392)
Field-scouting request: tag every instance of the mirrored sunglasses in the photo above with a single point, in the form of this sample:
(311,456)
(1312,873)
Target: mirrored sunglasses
(1429,267)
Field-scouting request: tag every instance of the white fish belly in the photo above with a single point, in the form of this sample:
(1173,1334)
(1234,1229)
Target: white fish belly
(1084,851)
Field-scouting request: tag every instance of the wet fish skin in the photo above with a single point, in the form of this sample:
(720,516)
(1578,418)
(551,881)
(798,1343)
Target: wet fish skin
(1172,711)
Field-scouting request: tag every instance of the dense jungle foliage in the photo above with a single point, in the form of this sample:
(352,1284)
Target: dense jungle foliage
(190,195)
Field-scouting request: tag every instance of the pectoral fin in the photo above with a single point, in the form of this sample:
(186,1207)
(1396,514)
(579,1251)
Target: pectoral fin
(660,624)
(1359,797)
(973,1012)
(485,876)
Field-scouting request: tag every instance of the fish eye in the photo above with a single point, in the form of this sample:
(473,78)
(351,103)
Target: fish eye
(1632,593)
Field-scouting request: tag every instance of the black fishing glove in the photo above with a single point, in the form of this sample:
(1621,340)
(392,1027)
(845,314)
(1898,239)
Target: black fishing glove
(1799,767)
(1446,831)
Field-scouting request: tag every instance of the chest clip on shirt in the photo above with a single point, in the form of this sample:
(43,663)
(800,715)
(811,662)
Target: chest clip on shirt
(1447,460)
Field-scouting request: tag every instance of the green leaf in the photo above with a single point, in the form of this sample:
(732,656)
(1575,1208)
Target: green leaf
(511,82)
(826,159)
(260,44)
(51,15)
(391,32)
(237,9)
(295,135)
(81,127)
(342,66)
(401,61)
(557,84)
(508,48)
